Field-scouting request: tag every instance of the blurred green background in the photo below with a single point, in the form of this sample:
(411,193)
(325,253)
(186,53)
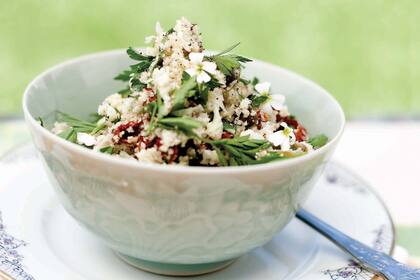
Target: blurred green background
(364,52)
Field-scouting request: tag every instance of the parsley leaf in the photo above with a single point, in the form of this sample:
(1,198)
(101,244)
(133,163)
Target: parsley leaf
(318,141)
(213,83)
(257,100)
(255,81)
(272,156)
(69,134)
(152,108)
(229,127)
(78,125)
(181,94)
(182,124)
(136,85)
(203,94)
(140,67)
(228,63)
(124,76)
(132,74)
(98,128)
(239,150)
(137,56)
(107,150)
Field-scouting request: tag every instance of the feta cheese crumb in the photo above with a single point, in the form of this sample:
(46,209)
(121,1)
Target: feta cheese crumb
(169,139)
(59,127)
(210,158)
(151,155)
(215,127)
(85,139)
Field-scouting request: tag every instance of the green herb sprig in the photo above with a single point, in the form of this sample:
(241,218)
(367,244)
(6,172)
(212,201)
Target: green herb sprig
(258,100)
(227,63)
(183,124)
(181,94)
(242,151)
(229,127)
(318,141)
(77,125)
(132,74)
(107,150)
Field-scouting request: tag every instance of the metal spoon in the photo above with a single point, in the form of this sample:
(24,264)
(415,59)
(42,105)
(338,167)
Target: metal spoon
(367,257)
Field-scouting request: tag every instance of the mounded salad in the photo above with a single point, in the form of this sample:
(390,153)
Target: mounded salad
(183,106)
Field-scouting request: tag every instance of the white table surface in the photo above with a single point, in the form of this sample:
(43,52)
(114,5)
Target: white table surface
(387,155)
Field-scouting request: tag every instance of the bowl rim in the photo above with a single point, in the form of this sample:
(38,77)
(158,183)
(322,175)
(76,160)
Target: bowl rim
(131,163)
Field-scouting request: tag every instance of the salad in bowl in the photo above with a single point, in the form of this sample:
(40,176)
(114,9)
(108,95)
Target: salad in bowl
(181,105)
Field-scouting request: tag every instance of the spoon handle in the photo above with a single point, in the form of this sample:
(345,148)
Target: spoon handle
(369,258)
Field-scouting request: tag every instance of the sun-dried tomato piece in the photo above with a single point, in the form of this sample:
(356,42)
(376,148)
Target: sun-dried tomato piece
(251,120)
(125,130)
(227,135)
(174,155)
(301,133)
(158,142)
(147,142)
(152,98)
(260,119)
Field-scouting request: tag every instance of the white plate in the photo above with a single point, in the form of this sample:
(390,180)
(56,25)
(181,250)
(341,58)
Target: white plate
(39,240)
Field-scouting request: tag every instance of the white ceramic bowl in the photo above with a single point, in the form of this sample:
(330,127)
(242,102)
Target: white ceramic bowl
(174,219)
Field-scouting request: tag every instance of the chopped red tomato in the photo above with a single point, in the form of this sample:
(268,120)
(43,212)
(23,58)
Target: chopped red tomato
(301,133)
(126,130)
(227,135)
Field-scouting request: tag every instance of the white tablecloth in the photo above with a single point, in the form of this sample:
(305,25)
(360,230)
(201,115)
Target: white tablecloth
(387,155)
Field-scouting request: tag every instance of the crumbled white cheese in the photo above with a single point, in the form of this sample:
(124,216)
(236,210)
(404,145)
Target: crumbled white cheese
(103,140)
(183,160)
(151,155)
(169,139)
(164,86)
(245,103)
(85,139)
(59,127)
(110,107)
(210,157)
(243,108)
(215,100)
(145,77)
(215,127)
